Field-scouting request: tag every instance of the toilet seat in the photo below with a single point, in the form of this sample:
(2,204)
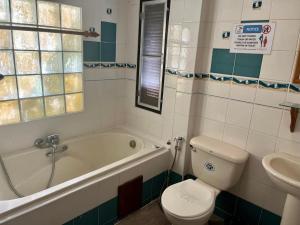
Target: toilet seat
(188,200)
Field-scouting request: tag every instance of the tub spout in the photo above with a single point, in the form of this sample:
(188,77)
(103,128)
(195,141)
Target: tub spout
(57,149)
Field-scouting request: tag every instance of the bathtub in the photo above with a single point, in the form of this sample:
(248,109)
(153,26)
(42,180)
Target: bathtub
(88,173)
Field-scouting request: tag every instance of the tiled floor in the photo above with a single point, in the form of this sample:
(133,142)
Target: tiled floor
(148,215)
(151,214)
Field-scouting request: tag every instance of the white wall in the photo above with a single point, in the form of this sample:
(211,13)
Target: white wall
(103,89)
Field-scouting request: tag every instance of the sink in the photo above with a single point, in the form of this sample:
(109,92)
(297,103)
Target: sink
(284,170)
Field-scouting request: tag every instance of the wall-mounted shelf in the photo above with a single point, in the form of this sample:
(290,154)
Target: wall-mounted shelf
(294,113)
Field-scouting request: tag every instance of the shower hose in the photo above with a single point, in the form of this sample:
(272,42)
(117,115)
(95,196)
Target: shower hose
(11,185)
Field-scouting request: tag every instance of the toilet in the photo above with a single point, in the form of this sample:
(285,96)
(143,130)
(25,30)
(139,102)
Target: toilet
(217,166)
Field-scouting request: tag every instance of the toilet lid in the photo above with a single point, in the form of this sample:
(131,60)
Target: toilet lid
(188,199)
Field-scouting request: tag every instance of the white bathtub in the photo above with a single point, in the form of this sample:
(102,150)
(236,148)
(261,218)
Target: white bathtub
(89,162)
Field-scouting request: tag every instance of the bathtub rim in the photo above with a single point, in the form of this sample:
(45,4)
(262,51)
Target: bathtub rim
(10,209)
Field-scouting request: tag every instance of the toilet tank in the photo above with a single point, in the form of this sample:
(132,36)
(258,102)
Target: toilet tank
(217,163)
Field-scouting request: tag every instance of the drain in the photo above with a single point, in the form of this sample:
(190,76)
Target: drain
(132,143)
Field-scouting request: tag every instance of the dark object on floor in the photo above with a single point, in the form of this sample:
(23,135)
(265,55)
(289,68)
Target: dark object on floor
(215,220)
(148,215)
(130,196)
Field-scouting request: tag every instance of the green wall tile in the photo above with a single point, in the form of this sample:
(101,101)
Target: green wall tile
(147,191)
(91,51)
(268,218)
(108,52)
(174,178)
(159,182)
(222,61)
(90,218)
(226,202)
(108,32)
(247,213)
(248,65)
(108,211)
(71,222)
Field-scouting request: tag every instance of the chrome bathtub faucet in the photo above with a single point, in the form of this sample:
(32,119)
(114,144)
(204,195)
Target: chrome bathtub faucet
(52,141)
(47,142)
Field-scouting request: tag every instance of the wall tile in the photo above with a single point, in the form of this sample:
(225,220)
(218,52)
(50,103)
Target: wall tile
(291,9)
(222,61)
(260,144)
(215,108)
(210,128)
(108,211)
(290,147)
(247,213)
(248,65)
(191,10)
(235,135)
(91,218)
(286,38)
(243,92)
(262,13)
(278,66)
(269,218)
(270,97)
(173,57)
(108,52)
(266,119)
(218,29)
(239,113)
(91,51)
(108,32)
(187,59)
(176,15)
(284,131)
(189,35)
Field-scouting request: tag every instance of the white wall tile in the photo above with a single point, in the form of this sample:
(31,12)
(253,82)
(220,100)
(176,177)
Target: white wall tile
(260,144)
(262,13)
(171,81)
(187,59)
(192,9)
(176,15)
(270,97)
(242,92)
(174,34)
(278,66)
(239,113)
(235,135)
(266,119)
(290,147)
(286,38)
(210,128)
(189,35)
(215,108)
(288,9)
(183,103)
(218,29)
(215,88)
(173,57)
(284,131)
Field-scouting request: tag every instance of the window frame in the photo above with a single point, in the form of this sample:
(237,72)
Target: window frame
(138,103)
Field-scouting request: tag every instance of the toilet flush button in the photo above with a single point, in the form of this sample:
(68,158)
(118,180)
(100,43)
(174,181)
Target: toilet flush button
(209,166)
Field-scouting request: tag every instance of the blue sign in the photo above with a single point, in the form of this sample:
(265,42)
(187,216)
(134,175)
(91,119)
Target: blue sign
(252,29)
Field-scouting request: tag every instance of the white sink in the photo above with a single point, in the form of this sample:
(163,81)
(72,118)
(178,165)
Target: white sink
(284,171)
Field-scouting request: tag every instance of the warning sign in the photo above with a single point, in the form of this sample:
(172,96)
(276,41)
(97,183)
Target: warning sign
(255,38)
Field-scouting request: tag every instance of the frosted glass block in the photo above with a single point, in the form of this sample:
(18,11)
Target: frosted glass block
(72,62)
(5,37)
(8,88)
(27,62)
(53,84)
(50,41)
(32,109)
(55,105)
(4,11)
(9,112)
(48,14)
(29,86)
(23,11)
(25,40)
(72,42)
(7,63)
(51,62)
(74,102)
(73,83)
(71,17)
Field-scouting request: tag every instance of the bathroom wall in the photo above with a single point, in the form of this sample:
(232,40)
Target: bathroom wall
(103,88)
(244,110)
(241,106)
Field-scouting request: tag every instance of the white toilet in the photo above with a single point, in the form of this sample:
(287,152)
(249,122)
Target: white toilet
(218,166)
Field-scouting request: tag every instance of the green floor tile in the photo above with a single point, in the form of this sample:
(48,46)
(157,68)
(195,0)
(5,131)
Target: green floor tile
(89,218)
(108,211)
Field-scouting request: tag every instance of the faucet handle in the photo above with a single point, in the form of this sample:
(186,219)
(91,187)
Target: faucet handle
(53,139)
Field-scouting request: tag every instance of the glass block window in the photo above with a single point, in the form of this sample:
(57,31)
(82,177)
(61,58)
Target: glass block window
(42,70)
